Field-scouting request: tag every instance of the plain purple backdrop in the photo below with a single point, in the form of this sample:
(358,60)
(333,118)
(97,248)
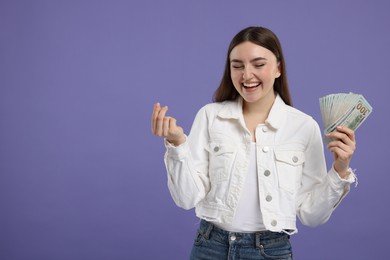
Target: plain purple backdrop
(82,177)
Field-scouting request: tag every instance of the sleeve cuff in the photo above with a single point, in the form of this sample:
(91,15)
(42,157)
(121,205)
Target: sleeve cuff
(338,181)
(176,151)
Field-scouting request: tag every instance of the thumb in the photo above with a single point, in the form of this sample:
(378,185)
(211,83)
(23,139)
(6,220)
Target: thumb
(172,123)
(175,131)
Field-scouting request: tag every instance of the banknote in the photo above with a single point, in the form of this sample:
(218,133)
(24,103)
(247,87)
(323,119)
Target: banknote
(343,109)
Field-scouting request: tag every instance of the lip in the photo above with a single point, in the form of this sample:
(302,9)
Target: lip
(250,88)
(249,85)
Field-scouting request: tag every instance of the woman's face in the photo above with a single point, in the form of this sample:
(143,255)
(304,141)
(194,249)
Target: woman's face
(253,71)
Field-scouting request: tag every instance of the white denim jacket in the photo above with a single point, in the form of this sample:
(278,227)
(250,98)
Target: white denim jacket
(208,170)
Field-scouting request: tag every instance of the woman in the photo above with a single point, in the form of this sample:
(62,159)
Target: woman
(251,162)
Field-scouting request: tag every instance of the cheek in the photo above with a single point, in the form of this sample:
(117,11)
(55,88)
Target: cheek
(236,77)
(269,74)
(236,82)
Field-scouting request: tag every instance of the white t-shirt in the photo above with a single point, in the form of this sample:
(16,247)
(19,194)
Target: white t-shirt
(248,217)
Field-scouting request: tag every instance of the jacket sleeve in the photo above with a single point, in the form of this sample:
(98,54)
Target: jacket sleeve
(320,192)
(187,165)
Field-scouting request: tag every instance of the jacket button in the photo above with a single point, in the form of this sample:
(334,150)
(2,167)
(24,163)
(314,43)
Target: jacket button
(265,129)
(268,198)
(274,223)
(267,173)
(216,149)
(295,159)
(265,149)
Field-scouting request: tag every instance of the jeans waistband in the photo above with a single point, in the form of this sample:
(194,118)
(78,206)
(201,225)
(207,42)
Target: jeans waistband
(208,229)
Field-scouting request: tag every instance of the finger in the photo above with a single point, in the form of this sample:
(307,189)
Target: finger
(172,124)
(337,136)
(173,130)
(340,154)
(339,145)
(166,126)
(160,121)
(156,110)
(341,150)
(349,132)
(344,137)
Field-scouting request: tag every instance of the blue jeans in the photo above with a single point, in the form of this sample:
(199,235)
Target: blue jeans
(212,243)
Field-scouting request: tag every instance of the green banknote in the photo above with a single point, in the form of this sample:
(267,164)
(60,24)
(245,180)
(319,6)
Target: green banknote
(343,109)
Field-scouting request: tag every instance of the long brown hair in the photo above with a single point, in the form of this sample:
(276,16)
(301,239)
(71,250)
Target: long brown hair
(267,39)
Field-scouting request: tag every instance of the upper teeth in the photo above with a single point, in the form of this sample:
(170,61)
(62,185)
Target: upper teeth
(249,85)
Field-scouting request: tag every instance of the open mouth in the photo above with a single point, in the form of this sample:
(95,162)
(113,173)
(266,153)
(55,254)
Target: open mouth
(251,85)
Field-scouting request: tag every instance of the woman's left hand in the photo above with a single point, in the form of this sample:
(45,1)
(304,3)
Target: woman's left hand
(342,147)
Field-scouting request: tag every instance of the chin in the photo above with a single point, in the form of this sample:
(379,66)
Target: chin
(252,100)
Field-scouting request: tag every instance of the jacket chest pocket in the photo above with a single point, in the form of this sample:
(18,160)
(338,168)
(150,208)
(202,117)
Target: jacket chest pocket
(221,161)
(289,168)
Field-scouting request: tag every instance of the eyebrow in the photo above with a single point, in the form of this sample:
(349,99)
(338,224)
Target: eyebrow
(253,60)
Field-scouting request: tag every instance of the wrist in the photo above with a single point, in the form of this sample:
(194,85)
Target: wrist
(343,173)
(177,141)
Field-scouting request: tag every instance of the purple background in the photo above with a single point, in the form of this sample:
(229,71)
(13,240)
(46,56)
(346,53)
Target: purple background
(81,176)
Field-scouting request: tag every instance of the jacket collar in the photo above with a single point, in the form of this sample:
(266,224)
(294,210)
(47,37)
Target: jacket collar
(278,114)
(276,117)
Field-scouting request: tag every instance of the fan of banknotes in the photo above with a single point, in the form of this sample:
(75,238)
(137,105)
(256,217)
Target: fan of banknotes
(343,109)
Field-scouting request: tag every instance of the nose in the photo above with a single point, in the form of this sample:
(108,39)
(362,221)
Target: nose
(247,74)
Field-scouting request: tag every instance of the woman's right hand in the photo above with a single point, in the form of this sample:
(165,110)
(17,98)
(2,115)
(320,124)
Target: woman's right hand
(165,126)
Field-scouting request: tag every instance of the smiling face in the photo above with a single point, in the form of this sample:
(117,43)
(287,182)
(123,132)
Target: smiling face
(253,72)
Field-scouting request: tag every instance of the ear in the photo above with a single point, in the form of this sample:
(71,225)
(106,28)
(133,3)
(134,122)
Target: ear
(278,72)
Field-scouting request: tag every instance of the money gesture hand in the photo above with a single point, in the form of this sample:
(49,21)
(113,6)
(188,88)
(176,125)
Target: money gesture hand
(343,146)
(165,126)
